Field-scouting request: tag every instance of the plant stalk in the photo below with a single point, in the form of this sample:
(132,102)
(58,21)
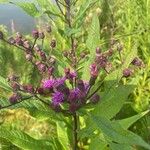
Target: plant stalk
(75,127)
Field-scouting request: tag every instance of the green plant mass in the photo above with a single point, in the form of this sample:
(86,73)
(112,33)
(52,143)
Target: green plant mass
(80,80)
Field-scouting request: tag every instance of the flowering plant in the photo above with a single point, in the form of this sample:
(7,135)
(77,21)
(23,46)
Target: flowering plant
(82,90)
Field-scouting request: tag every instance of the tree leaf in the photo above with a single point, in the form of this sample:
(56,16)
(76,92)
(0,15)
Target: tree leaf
(24,141)
(116,133)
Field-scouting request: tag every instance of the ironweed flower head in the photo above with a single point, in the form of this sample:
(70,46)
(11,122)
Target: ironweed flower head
(48,84)
(57,98)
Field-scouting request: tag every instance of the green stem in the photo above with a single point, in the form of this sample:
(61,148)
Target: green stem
(75,127)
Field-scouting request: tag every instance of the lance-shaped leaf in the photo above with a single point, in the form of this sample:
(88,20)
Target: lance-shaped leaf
(117,134)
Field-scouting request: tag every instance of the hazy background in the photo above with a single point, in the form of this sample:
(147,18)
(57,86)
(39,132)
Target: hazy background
(10,13)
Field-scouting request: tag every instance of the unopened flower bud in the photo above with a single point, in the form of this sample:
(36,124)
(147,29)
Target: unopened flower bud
(137,62)
(95,98)
(37,48)
(49,29)
(94,70)
(42,67)
(67,71)
(110,52)
(28,88)
(19,41)
(40,91)
(42,55)
(119,47)
(52,60)
(15,86)
(14,98)
(127,72)
(82,55)
(13,78)
(1,35)
(112,42)
(35,34)
(29,57)
(26,44)
(53,43)
(41,35)
(65,53)
(11,40)
(50,70)
(80,85)
(98,50)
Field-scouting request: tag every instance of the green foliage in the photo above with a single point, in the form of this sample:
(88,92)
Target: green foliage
(117,134)
(22,140)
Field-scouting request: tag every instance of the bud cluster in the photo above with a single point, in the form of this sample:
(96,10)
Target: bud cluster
(67,90)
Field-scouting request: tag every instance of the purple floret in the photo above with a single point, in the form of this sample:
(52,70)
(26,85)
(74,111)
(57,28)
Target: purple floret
(48,84)
(76,95)
(57,98)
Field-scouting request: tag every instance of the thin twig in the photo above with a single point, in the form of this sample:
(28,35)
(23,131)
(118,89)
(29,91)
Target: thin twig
(23,99)
(13,45)
(57,3)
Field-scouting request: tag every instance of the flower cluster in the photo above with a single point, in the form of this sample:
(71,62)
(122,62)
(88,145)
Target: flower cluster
(68,92)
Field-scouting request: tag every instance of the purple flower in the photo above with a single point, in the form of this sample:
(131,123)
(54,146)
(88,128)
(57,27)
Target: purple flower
(48,84)
(76,95)
(57,98)
(60,81)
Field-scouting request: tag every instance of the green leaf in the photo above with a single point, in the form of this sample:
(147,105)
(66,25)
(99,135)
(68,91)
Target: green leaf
(97,144)
(91,43)
(62,135)
(116,133)
(28,7)
(83,9)
(127,122)
(128,58)
(24,141)
(114,146)
(4,84)
(112,101)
